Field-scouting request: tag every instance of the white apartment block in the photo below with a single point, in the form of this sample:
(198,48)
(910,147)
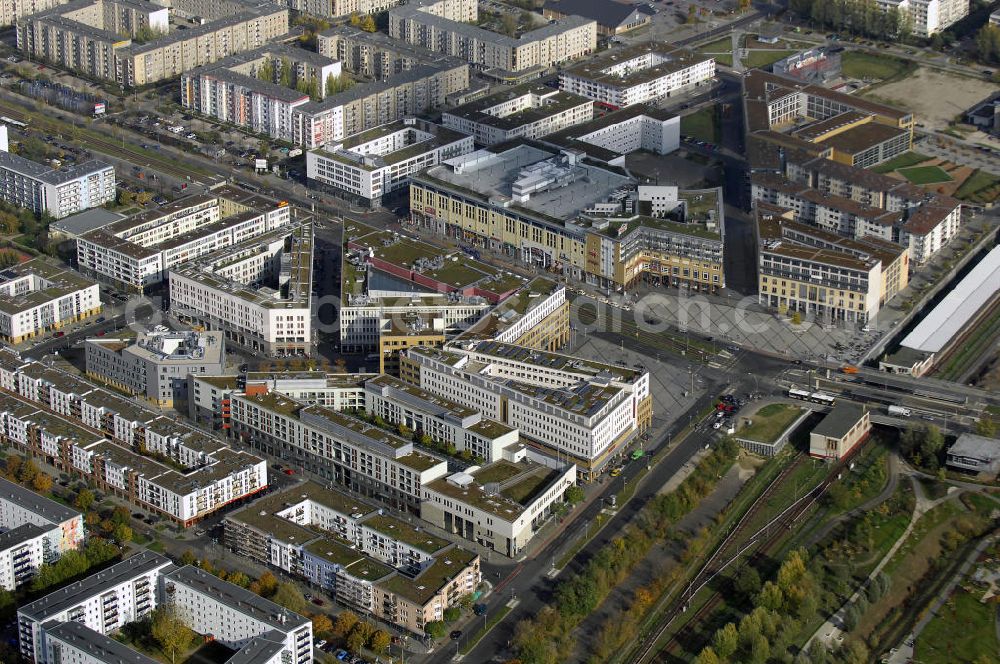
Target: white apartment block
(258,293)
(445,421)
(342,8)
(928,16)
(39,296)
(136,252)
(57,192)
(370,165)
(155,365)
(103,602)
(495,516)
(637,75)
(73,643)
(528,111)
(231,89)
(33,531)
(91,432)
(235,616)
(447,26)
(621,133)
(572,406)
(362,317)
(335,447)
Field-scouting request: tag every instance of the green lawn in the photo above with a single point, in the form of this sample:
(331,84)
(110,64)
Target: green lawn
(703,125)
(904,160)
(924,174)
(724,45)
(764,58)
(978,181)
(770,421)
(857,64)
(962,631)
(724,59)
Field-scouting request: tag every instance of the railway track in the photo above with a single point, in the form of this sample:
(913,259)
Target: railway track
(99,144)
(736,546)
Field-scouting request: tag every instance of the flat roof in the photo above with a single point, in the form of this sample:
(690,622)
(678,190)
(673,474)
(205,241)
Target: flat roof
(239,599)
(487,176)
(552,101)
(958,307)
(521,483)
(97,646)
(672,59)
(610,14)
(88,220)
(67,597)
(863,137)
(840,420)
(430,581)
(976,447)
(38,504)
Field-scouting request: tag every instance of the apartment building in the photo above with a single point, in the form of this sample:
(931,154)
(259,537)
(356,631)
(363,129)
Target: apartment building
(258,293)
(610,138)
(373,55)
(527,111)
(90,432)
(72,624)
(447,26)
(103,602)
(138,251)
(342,8)
(368,166)
(35,531)
(365,106)
(803,268)
(638,74)
(381,565)
(927,221)
(235,617)
(155,365)
(928,16)
(334,446)
(623,250)
(57,192)
(90,37)
(397,290)
(233,90)
(442,420)
(490,505)
(38,296)
(209,396)
(537,317)
(72,643)
(575,408)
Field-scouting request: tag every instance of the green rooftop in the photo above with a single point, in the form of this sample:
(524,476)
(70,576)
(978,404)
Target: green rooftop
(428,583)
(404,532)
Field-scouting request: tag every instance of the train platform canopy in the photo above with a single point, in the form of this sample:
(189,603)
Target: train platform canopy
(958,307)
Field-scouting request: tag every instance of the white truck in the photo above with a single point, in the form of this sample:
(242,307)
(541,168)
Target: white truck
(899,411)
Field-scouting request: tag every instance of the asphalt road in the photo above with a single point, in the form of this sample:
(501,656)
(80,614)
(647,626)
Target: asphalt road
(142,311)
(528,580)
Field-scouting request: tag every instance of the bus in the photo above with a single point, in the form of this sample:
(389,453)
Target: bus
(821,398)
(798,394)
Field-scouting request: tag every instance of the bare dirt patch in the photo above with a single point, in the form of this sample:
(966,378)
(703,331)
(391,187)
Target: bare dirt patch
(934,97)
